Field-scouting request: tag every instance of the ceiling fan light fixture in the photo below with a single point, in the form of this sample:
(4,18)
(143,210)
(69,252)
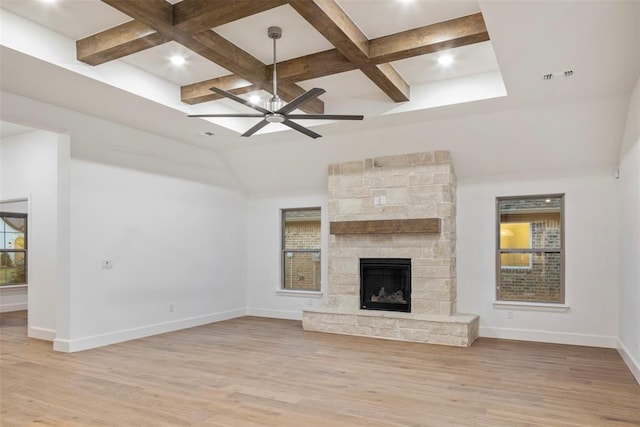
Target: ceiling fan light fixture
(275,118)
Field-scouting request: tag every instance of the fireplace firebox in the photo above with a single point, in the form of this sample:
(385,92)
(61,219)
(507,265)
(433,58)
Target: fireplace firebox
(385,284)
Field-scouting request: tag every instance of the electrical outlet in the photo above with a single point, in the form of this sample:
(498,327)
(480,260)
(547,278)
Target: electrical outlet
(509,314)
(107,264)
(380,200)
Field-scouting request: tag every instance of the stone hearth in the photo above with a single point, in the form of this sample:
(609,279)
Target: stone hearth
(394,207)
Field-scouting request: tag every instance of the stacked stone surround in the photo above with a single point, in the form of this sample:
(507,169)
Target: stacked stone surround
(415,186)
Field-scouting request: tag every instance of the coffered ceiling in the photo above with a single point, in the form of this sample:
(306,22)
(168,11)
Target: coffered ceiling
(368,64)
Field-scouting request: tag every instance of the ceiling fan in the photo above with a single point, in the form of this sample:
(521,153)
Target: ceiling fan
(275,111)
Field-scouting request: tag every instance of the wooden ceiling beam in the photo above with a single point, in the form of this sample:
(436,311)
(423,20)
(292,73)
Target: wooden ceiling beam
(428,39)
(118,42)
(406,44)
(189,15)
(158,15)
(194,16)
(307,67)
(197,93)
(334,24)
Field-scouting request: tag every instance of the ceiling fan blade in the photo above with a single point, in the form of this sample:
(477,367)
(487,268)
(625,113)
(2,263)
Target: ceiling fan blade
(301,129)
(324,117)
(238,99)
(307,96)
(256,128)
(225,115)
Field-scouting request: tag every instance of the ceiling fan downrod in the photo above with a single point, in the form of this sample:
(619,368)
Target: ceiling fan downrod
(274,103)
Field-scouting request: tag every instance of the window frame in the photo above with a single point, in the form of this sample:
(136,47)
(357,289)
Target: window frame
(283,252)
(560,250)
(24,251)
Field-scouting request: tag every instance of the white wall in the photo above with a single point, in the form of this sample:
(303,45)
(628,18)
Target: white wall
(30,169)
(262,260)
(591,254)
(171,242)
(629,345)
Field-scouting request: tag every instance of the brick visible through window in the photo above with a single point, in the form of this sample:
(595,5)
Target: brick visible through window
(301,249)
(530,250)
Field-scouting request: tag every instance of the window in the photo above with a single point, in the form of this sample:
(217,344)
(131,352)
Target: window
(530,248)
(13,248)
(301,249)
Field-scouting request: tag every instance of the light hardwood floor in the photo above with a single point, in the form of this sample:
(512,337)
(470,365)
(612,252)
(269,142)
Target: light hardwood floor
(264,372)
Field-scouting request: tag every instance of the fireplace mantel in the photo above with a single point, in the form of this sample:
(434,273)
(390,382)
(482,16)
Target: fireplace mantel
(387,226)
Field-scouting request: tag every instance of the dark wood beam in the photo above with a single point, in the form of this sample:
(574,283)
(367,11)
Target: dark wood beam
(188,15)
(406,44)
(332,22)
(386,226)
(303,68)
(198,15)
(199,92)
(158,15)
(314,66)
(118,42)
(431,38)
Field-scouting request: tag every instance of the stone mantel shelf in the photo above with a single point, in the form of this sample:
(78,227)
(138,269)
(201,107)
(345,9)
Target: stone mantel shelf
(386,226)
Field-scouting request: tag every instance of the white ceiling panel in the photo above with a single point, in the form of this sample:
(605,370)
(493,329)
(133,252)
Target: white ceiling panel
(377,18)
(156,61)
(75,19)
(299,38)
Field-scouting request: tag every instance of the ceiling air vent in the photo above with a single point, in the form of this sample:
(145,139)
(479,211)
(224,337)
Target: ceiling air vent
(549,76)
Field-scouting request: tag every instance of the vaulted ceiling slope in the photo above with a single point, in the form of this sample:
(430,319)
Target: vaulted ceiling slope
(376,57)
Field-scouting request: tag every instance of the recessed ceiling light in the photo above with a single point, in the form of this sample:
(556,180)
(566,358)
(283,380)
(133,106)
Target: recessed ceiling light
(445,60)
(177,60)
(254,99)
(48,1)
(547,200)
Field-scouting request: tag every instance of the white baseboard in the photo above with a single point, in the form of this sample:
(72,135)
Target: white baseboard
(79,344)
(550,337)
(632,363)
(41,333)
(275,314)
(18,306)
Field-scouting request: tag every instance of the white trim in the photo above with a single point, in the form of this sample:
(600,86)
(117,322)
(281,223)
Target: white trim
(274,314)
(79,344)
(549,336)
(299,293)
(41,333)
(532,306)
(629,360)
(18,306)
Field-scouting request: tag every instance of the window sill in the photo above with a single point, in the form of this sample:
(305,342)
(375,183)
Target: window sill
(13,286)
(533,306)
(294,293)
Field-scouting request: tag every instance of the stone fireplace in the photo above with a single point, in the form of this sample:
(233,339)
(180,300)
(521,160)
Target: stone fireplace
(399,211)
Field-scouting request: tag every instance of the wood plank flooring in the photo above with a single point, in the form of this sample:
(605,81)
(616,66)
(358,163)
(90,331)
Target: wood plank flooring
(264,372)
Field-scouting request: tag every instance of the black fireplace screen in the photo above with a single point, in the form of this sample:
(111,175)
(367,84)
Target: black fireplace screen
(385,284)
